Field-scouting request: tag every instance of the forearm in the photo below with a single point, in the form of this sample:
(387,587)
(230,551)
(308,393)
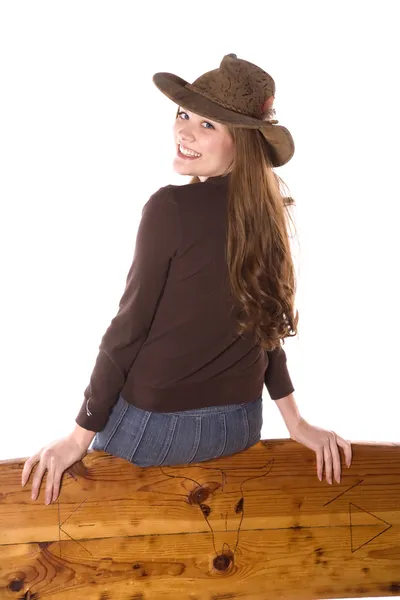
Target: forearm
(83,436)
(289,411)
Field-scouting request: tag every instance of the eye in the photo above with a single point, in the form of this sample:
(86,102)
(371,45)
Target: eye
(205,509)
(239,506)
(207,123)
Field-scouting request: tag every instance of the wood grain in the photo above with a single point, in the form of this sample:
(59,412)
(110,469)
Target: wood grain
(256,525)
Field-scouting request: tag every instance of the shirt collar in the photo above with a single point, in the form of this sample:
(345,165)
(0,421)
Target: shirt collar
(217,179)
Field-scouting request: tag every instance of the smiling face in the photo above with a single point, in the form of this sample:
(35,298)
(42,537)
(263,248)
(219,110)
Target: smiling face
(210,141)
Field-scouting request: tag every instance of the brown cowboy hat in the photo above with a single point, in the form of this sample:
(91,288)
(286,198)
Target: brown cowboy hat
(238,93)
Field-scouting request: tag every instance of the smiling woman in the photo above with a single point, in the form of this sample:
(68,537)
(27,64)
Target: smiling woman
(209,297)
(205,148)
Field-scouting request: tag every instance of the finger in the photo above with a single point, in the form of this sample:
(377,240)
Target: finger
(346,448)
(40,469)
(328,462)
(56,485)
(320,463)
(335,457)
(50,480)
(349,453)
(29,463)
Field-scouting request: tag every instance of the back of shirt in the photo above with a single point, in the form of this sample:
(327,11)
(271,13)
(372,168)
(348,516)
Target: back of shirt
(173,344)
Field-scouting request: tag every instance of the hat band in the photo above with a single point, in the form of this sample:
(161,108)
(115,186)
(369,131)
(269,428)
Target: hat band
(193,88)
(269,117)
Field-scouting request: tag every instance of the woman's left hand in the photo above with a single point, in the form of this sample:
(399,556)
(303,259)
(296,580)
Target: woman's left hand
(325,445)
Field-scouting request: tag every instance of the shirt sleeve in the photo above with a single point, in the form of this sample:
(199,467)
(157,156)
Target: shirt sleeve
(277,378)
(157,241)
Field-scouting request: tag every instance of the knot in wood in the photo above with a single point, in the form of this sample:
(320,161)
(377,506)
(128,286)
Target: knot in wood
(222,562)
(16,585)
(199,495)
(205,510)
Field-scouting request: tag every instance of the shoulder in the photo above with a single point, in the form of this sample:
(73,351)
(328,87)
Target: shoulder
(163,194)
(172,193)
(160,210)
(160,220)
(159,201)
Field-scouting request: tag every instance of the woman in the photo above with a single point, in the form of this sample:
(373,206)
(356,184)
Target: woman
(209,297)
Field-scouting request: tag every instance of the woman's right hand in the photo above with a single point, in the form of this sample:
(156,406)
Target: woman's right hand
(55,458)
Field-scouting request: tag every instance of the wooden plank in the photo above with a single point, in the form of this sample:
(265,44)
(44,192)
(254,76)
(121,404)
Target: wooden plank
(256,525)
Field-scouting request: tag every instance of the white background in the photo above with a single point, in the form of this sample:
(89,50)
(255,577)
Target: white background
(86,138)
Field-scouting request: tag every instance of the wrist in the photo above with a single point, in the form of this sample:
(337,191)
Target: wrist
(83,437)
(292,427)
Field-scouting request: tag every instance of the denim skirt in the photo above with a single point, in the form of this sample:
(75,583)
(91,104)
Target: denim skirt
(153,438)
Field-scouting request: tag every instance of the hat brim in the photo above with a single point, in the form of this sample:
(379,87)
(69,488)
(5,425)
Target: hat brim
(278,137)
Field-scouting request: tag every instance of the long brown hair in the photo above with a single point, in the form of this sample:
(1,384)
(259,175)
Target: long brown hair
(258,253)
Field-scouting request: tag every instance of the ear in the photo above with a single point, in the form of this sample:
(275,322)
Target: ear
(197,492)
(247,474)
(263,473)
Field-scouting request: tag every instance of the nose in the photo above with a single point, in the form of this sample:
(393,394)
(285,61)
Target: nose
(184,133)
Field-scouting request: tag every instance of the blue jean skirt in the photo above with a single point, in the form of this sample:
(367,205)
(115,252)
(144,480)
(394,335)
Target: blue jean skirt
(152,438)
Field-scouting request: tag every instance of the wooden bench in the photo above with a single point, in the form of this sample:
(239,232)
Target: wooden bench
(257,525)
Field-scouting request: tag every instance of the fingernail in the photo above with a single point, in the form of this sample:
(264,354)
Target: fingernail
(33,495)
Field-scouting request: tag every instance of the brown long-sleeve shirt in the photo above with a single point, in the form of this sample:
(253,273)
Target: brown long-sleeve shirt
(172,345)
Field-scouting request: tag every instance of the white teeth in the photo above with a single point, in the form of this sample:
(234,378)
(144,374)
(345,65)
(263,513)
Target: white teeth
(188,152)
